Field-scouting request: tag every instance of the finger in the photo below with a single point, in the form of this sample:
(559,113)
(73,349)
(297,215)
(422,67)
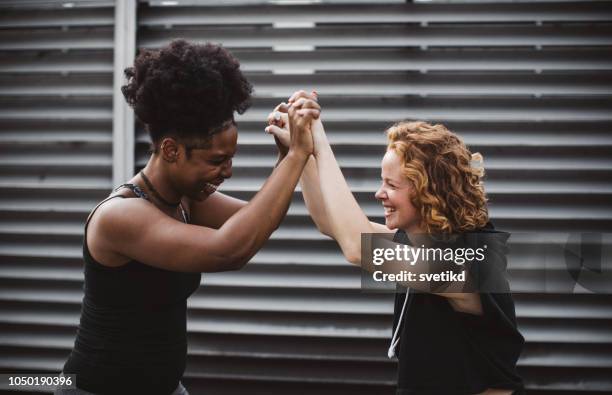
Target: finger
(302,93)
(297,94)
(305,95)
(291,111)
(274,130)
(283,107)
(271,120)
(277,118)
(314,114)
(306,103)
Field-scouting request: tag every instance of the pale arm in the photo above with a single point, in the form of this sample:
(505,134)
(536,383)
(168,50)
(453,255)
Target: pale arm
(346,225)
(309,181)
(347,221)
(313,198)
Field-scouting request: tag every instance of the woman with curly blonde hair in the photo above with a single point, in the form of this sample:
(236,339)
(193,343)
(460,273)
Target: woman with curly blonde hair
(453,342)
(447,188)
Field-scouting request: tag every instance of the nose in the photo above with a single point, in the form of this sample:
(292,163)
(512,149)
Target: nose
(380,194)
(226,171)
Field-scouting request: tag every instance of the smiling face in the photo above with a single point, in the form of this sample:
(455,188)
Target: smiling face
(198,174)
(395,194)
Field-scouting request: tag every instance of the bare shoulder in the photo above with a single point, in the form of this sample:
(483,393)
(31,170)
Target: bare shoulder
(125,216)
(114,219)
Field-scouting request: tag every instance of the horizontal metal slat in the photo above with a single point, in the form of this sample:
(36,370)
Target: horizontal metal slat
(96,176)
(541,181)
(54,39)
(371,59)
(53,4)
(368,36)
(32,18)
(370,134)
(447,84)
(56,109)
(380,14)
(305,290)
(74,61)
(297,222)
(357,84)
(495,158)
(349,109)
(548,330)
(498,181)
(376,59)
(54,85)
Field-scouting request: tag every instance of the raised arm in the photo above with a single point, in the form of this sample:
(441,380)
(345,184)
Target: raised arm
(309,181)
(346,220)
(162,242)
(346,225)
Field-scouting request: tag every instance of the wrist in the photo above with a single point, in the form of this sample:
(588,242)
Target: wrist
(280,157)
(298,155)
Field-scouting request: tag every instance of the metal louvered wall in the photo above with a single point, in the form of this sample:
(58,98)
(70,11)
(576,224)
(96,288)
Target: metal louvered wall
(56,80)
(527,85)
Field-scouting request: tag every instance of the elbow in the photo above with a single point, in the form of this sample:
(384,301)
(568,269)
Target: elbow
(352,255)
(227,262)
(239,253)
(355,259)
(352,252)
(237,262)
(241,256)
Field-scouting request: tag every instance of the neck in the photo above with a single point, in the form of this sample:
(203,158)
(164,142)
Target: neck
(156,172)
(417,235)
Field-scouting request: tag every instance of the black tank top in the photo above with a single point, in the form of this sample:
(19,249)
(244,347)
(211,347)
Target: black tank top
(446,352)
(132,335)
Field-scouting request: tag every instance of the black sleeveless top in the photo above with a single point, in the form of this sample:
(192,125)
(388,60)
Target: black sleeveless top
(132,335)
(446,352)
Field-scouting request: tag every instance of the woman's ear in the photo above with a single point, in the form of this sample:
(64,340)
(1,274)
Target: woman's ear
(170,150)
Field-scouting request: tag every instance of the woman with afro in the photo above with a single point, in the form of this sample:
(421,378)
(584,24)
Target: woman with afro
(146,245)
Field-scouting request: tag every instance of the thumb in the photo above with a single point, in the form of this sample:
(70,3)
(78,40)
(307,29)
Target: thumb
(274,130)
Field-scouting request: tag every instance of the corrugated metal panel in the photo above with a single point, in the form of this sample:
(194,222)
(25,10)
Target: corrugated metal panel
(527,85)
(55,164)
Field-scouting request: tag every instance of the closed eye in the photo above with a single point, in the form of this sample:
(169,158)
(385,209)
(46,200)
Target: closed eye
(219,161)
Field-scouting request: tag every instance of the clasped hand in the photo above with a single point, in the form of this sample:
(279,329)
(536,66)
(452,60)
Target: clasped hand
(296,124)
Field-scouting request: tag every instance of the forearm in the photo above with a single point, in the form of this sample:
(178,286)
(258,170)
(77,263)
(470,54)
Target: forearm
(280,158)
(346,219)
(252,225)
(311,191)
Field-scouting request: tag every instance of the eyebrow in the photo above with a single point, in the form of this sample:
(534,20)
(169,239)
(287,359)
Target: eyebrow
(393,181)
(220,155)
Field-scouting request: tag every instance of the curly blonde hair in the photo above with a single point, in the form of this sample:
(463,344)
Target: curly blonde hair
(448,189)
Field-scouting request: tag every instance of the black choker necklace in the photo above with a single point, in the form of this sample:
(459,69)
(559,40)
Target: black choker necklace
(155,193)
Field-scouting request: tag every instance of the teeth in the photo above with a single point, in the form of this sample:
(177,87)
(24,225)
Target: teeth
(209,188)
